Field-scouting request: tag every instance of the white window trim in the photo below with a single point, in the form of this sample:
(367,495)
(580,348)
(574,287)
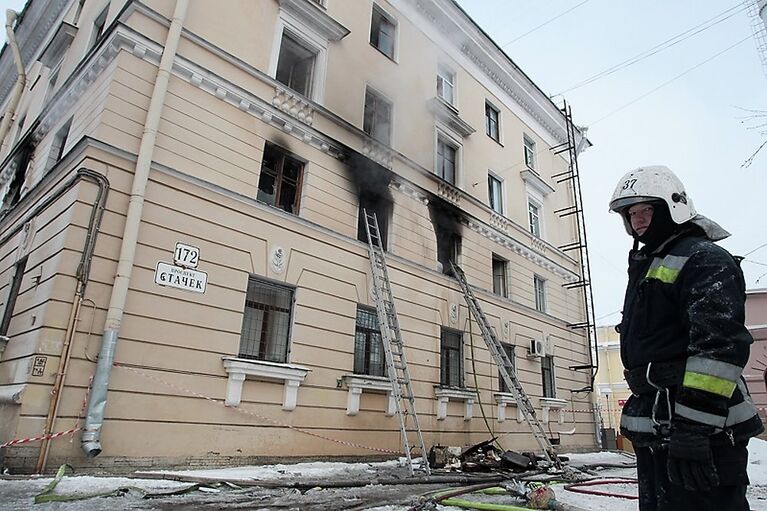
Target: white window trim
(393,20)
(454,139)
(525,140)
(503,400)
(500,128)
(239,368)
(359,383)
(537,278)
(314,41)
(504,202)
(551,403)
(387,98)
(445,394)
(449,69)
(507,283)
(538,203)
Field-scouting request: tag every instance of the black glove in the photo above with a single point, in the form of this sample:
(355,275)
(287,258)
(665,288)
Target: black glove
(690,463)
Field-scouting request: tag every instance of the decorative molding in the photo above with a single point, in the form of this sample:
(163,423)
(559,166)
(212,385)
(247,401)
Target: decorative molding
(316,18)
(449,192)
(409,190)
(277,260)
(445,394)
(500,222)
(379,153)
(358,383)
(453,313)
(449,115)
(533,180)
(239,368)
(290,102)
(550,403)
(504,399)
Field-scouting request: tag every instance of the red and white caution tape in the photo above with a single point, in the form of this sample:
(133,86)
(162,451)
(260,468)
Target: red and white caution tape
(38,438)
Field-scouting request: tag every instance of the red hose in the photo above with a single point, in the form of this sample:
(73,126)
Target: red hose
(576,488)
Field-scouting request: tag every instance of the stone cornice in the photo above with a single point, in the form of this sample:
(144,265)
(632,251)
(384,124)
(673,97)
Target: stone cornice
(315,17)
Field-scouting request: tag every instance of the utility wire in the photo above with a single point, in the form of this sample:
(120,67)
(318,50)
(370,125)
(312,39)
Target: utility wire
(544,24)
(696,66)
(757,248)
(668,43)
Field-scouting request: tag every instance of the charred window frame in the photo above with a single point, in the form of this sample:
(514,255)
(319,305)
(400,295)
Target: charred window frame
(377,117)
(296,64)
(492,122)
(382,207)
(58,145)
(539,285)
(447,159)
(448,249)
(451,357)
(266,321)
(369,357)
(13,293)
(280,182)
(500,276)
(495,193)
(509,350)
(20,163)
(547,377)
(383,32)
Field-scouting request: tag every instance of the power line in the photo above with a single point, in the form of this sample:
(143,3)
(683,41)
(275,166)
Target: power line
(668,43)
(696,66)
(757,248)
(544,23)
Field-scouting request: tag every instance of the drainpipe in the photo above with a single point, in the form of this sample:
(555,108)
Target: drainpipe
(91,439)
(21,80)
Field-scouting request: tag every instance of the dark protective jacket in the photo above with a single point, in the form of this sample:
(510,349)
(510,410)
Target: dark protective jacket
(683,318)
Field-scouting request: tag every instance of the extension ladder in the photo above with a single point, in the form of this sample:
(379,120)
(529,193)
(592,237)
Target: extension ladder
(507,370)
(396,364)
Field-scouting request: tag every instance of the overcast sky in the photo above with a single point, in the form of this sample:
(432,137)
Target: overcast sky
(694,124)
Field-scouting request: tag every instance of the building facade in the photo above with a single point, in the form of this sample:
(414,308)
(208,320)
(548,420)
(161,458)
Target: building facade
(755,371)
(184,267)
(612,391)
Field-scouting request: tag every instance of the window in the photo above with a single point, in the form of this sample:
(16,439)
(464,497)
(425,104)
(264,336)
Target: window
(451,358)
(18,275)
(500,278)
(98,26)
(369,357)
(529,153)
(539,284)
(79,11)
(446,85)
(509,350)
(280,181)
(448,249)
(534,216)
(492,115)
(20,128)
(495,193)
(382,32)
(373,203)
(547,375)
(266,321)
(295,65)
(57,148)
(53,77)
(13,187)
(377,117)
(446,160)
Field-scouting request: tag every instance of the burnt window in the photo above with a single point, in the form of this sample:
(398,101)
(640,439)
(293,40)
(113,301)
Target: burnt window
(20,164)
(451,358)
(500,276)
(382,32)
(509,350)
(448,249)
(59,143)
(280,181)
(295,66)
(377,117)
(381,207)
(18,275)
(446,160)
(369,357)
(266,321)
(492,116)
(547,376)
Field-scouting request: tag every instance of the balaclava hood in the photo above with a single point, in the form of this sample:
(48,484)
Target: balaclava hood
(661,228)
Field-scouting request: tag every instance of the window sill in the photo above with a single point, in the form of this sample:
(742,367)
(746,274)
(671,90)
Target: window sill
(239,368)
(359,383)
(445,394)
(551,403)
(504,399)
(379,50)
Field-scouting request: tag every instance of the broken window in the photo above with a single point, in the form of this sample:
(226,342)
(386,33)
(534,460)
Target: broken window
(266,321)
(500,278)
(382,32)
(377,117)
(373,203)
(451,358)
(280,181)
(18,275)
(369,357)
(547,376)
(295,66)
(509,350)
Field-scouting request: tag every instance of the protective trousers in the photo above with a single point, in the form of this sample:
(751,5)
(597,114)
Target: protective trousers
(656,493)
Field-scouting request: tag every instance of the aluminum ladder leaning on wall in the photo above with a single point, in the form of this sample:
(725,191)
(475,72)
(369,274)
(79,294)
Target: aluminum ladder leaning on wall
(507,370)
(394,349)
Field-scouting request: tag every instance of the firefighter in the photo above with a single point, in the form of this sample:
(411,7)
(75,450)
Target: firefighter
(683,347)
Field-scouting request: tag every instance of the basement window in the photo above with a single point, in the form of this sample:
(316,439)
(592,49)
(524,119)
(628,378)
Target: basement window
(374,204)
(280,182)
(295,66)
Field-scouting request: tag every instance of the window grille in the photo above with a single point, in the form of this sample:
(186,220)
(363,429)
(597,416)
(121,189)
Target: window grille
(369,357)
(509,350)
(266,321)
(451,358)
(547,376)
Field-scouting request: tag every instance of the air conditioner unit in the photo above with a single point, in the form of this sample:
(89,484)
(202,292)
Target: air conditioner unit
(536,349)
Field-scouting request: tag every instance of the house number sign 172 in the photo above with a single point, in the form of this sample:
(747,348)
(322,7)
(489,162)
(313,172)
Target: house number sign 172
(186,256)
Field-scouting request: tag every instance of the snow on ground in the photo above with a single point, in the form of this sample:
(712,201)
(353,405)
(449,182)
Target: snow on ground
(18,494)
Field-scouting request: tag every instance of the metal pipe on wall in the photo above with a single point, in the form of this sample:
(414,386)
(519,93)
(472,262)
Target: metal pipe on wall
(11,16)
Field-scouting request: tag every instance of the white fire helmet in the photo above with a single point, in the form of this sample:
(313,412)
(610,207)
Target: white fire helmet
(657,182)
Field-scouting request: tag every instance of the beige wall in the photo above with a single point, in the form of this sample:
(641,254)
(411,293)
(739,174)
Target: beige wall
(611,385)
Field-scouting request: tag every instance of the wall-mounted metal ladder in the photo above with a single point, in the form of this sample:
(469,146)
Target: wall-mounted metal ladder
(507,370)
(394,348)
